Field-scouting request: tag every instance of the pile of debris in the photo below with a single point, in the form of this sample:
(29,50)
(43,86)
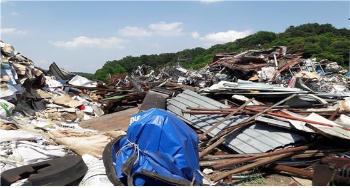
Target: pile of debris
(244,116)
(272,66)
(40,114)
(265,135)
(55,94)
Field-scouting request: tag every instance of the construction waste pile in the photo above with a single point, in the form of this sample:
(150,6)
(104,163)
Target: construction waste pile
(244,116)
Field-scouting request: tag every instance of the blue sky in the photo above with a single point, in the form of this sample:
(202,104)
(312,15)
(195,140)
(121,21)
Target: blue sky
(82,36)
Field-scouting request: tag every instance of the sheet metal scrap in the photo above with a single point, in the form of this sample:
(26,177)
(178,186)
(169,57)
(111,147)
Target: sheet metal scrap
(155,98)
(60,73)
(285,119)
(293,171)
(241,63)
(248,62)
(333,130)
(224,135)
(262,162)
(254,139)
(332,171)
(289,64)
(248,88)
(229,163)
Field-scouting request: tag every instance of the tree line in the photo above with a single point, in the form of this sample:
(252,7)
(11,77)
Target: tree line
(322,41)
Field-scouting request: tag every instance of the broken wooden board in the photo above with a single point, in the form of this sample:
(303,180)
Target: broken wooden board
(115,121)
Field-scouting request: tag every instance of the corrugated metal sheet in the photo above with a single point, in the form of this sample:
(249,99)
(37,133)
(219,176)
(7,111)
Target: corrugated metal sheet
(284,123)
(255,139)
(60,73)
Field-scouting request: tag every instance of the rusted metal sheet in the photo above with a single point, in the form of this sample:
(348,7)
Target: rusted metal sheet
(332,170)
(294,171)
(243,160)
(261,162)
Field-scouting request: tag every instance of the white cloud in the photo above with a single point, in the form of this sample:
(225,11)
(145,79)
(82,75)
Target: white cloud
(154,29)
(210,1)
(166,29)
(195,35)
(90,42)
(14,13)
(221,37)
(130,31)
(12,30)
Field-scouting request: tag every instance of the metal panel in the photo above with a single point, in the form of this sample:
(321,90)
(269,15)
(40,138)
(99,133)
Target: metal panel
(255,139)
(275,122)
(336,130)
(248,85)
(60,73)
(154,99)
(203,122)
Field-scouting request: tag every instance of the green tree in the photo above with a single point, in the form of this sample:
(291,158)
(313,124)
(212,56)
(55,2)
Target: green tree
(312,39)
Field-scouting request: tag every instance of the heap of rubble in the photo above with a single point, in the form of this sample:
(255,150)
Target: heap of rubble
(255,113)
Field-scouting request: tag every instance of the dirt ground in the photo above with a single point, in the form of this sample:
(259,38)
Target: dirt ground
(276,180)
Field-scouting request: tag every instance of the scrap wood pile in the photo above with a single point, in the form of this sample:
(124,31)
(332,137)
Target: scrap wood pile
(245,115)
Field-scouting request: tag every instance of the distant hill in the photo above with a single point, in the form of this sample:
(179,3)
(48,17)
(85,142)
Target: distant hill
(322,41)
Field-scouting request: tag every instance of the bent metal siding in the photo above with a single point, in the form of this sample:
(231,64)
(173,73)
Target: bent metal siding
(255,139)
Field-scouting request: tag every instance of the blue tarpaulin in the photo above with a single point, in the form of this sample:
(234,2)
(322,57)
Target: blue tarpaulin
(347,74)
(161,144)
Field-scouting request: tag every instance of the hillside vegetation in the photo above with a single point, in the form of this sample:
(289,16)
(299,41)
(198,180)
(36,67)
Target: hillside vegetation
(322,41)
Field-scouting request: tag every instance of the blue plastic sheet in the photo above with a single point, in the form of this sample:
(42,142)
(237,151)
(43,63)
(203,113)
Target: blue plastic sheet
(163,144)
(347,74)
